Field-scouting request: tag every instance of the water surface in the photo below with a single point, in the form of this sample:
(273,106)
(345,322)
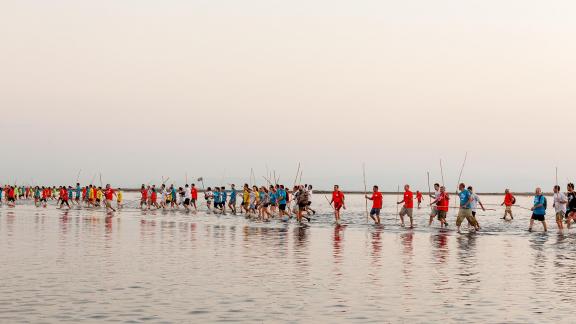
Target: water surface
(163,267)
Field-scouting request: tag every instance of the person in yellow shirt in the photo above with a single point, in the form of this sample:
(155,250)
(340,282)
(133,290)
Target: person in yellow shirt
(91,196)
(119,195)
(99,195)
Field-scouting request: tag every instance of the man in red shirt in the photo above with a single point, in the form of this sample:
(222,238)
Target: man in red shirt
(408,207)
(419,198)
(63,197)
(337,202)
(194,193)
(11,197)
(144,199)
(376,204)
(509,200)
(442,201)
(109,194)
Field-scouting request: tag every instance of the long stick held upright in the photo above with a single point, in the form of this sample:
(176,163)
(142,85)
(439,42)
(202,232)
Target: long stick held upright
(297,172)
(429,190)
(442,172)
(397,194)
(461,170)
(556,175)
(365,190)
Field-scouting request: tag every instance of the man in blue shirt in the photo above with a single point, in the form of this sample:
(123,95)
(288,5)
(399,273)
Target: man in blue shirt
(216,198)
(282,201)
(78,193)
(465,210)
(232,203)
(538,210)
(223,198)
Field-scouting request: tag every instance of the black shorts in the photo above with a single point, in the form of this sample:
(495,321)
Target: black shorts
(43,200)
(540,218)
(266,205)
(11,199)
(474,213)
(375,211)
(187,202)
(282,207)
(302,205)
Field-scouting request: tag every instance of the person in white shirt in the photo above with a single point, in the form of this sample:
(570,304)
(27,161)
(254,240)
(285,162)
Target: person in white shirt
(163,195)
(187,197)
(308,209)
(474,204)
(434,196)
(560,201)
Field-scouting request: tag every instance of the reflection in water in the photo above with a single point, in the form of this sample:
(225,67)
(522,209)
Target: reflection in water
(121,268)
(337,243)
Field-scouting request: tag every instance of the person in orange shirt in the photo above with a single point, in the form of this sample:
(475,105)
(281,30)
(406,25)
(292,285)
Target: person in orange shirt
(509,200)
(337,202)
(376,204)
(419,198)
(408,207)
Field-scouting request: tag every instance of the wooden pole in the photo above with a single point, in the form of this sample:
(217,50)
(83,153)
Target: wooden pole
(365,190)
(556,175)
(297,172)
(461,170)
(429,190)
(442,172)
(397,194)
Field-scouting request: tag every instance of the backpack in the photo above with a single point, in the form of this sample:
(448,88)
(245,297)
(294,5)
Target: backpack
(513,200)
(545,203)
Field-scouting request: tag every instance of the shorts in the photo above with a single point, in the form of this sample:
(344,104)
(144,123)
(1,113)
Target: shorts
(12,199)
(465,213)
(187,202)
(233,202)
(560,216)
(434,211)
(43,200)
(303,205)
(282,207)
(474,214)
(193,200)
(568,211)
(406,211)
(265,205)
(441,214)
(540,218)
(375,211)
(337,206)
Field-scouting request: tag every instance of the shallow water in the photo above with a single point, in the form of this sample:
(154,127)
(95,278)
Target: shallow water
(80,266)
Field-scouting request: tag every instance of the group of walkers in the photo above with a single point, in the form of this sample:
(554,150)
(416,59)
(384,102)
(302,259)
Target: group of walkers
(278,201)
(89,196)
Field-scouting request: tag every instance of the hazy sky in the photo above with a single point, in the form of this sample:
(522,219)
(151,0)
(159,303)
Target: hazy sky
(140,89)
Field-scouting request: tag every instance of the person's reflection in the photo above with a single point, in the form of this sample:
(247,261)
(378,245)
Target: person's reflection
(565,264)
(108,221)
(440,247)
(538,243)
(337,243)
(64,221)
(468,278)
(376,245)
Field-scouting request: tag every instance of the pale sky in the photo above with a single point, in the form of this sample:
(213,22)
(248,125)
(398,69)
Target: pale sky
(140,89)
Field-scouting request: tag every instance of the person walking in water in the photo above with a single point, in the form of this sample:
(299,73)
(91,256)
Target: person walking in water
(440,205)
(376,204)
(434,204)
(571,205)
(509,200)
(465,210)
(475,202)
(419,198)
(560,201)
(337,202)
(538,210)
(408,207)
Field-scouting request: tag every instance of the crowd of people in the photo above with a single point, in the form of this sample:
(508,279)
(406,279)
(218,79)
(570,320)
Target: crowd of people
(278,201)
